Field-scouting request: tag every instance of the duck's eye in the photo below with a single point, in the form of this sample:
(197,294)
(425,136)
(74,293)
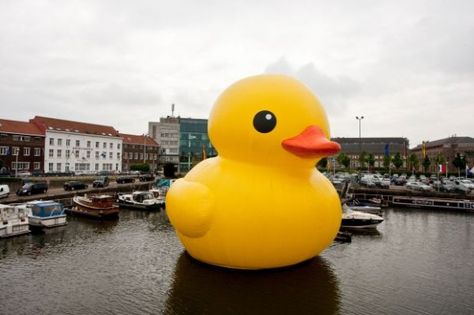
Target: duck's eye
(264,121)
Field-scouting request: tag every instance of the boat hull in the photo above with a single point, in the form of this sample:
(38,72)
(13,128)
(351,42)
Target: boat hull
(136,206)
(100,209)
(47,222)
(14,230)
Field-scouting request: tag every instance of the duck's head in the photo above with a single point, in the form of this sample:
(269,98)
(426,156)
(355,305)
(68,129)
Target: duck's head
(270,120)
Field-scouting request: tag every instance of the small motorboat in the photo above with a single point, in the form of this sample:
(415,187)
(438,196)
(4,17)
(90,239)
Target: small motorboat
(141,200)
(13,221)
(95,206)
(352,219)
(368,206)
(45,214)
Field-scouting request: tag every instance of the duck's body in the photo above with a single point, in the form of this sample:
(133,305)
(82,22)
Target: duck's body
(260,217)
(261,203)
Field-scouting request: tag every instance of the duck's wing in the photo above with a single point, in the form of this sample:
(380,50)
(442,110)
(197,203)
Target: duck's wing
(189,207)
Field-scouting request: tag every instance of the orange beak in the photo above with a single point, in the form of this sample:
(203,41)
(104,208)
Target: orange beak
(311,143)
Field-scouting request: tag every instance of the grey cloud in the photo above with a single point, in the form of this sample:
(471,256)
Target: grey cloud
(334,92)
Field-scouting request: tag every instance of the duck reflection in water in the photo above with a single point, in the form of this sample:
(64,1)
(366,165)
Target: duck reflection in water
(307,288)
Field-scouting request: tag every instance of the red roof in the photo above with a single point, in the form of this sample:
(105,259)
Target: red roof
(47,123)
(138,139)
(19,127)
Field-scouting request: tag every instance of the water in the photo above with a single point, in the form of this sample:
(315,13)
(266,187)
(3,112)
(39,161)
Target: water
(419,262)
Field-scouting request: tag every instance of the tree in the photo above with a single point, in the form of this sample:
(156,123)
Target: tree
(169,170)
(460,162)
(323,163)
(140,167)
(397,161)
(386,161)
(426,163)
(439,159)
(414,162)
(362,159)
(343,159)
(371,160)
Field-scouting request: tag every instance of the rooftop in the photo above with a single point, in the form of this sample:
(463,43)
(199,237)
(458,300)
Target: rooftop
(48,123)
(19,127)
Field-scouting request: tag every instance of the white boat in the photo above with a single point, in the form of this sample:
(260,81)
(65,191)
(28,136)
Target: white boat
(352,219)
(45,214)
(13,221)
(142,200)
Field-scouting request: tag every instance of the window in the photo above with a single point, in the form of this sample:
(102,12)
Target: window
(125,155)
(60,141)
(20,166)
(78,143)
(68,142)
(88,144)
(51,141)
(96,166)
(118,146)
(96,155)
(37,151)
(15,150)
(118,155)
(36,165)
(68,154)
(77,154)
(59,153)
(111,145)
(88,154)
(50,167)
(116,167)
(97,144)
(136,156)
(111,155)
(51,153)
(104,145)
(4,150)
(141,156)
(58,167)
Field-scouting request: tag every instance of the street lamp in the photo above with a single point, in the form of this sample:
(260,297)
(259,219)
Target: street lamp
(360,139)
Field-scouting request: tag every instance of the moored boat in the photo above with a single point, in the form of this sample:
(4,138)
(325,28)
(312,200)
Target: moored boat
(45,214)
(13,221)
(359,220)
(95,206)
(142,200)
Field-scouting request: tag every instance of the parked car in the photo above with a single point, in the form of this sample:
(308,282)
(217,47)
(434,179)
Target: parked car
(74,185)
(463,185)
(400,180)
(31,188)
(4,191)
(102,181)
(125,179)
(146,177)
(419,186)
(443,185)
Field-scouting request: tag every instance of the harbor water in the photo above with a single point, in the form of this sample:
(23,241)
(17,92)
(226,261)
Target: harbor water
(416,262)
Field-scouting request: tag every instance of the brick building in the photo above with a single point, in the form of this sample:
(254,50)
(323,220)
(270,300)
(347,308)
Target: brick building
(139,149)
(21,147)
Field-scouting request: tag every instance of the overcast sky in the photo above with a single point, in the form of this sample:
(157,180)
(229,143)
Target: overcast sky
(406,66)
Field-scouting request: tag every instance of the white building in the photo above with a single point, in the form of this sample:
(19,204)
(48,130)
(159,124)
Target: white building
(78,147)
(166,134)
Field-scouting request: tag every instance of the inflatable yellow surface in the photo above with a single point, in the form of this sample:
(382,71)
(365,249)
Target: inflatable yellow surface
(260,203)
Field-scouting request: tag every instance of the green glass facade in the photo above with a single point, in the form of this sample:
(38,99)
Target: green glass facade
(194,143)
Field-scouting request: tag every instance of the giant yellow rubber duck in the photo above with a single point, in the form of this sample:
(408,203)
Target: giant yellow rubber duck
(261,203)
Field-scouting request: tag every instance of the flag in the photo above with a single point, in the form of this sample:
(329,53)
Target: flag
(442,168)
(423,149)
(386,150)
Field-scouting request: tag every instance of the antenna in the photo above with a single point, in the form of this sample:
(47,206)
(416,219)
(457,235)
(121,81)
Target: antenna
(172,110)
